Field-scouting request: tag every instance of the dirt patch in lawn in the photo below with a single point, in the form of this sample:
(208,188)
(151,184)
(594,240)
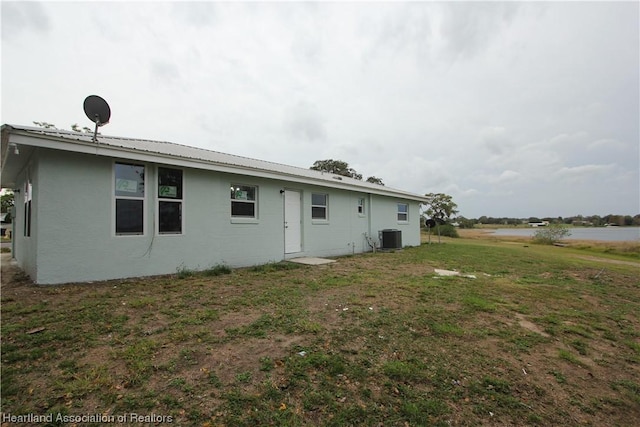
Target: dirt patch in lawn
(608,260)
(522,321)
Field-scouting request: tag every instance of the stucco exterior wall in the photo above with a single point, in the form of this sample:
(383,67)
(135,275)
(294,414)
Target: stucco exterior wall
(25,247)
(74,238)
(385,216)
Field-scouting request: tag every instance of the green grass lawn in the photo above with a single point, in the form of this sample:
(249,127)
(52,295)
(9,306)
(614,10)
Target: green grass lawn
(542,336)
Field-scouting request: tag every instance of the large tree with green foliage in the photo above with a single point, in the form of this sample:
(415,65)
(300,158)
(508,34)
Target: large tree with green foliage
(440,207)
(337,167)
(375,180)
(6,203)
(341,168)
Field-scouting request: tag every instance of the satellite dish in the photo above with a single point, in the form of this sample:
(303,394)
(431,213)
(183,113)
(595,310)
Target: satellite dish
(430,223)
(98,111)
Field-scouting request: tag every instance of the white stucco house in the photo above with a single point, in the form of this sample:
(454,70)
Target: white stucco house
(123,207)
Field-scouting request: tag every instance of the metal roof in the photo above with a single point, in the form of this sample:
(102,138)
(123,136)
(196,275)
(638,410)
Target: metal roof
(132,148)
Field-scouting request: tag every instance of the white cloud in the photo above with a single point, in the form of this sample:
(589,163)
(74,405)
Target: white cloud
(166,72)
(584,172)
(21,18)
(468,31)
(606,144)
(508,176)
(495,139)
(304,123)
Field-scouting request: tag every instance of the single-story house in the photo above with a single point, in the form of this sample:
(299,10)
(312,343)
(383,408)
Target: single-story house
(5,224)
(124,207)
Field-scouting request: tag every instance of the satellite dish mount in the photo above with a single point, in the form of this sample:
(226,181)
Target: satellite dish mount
(430,223)
(98,111)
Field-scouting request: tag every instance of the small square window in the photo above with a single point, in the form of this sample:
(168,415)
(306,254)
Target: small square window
(129,180)
(403,212)
(243,201)
(170,217)
(361,206)
(319,206)
(169,183)
(129,216)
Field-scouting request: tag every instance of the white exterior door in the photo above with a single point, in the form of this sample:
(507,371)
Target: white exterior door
(292,226)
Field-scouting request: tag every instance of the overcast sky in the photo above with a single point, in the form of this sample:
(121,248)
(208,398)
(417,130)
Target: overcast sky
(514,109)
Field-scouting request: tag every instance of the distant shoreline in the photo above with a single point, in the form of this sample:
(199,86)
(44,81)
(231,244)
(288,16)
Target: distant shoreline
(629,234)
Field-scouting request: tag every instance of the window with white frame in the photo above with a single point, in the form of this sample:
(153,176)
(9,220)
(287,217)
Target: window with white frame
(244,201)
(129,198)
(361,206)
(169,201)
(403,212)
(319,206)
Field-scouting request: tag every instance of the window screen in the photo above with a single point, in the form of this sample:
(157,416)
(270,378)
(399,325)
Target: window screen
(243,201)
(129,197)
(169,201)
(403,212)
(319,206)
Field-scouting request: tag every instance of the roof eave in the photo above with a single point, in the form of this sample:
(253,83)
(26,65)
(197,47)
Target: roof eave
(35,136)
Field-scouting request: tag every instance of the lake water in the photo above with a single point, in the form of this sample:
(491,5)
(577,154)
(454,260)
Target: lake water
(611,234)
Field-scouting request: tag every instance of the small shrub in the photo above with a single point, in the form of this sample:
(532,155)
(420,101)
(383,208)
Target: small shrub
(267,364)
(183,272)
(446,230)
(217,270)
(274,266)
(551,234)
(244,377)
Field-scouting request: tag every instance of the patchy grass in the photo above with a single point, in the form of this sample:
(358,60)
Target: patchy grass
(626,249)
(542,336)
(615,250)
